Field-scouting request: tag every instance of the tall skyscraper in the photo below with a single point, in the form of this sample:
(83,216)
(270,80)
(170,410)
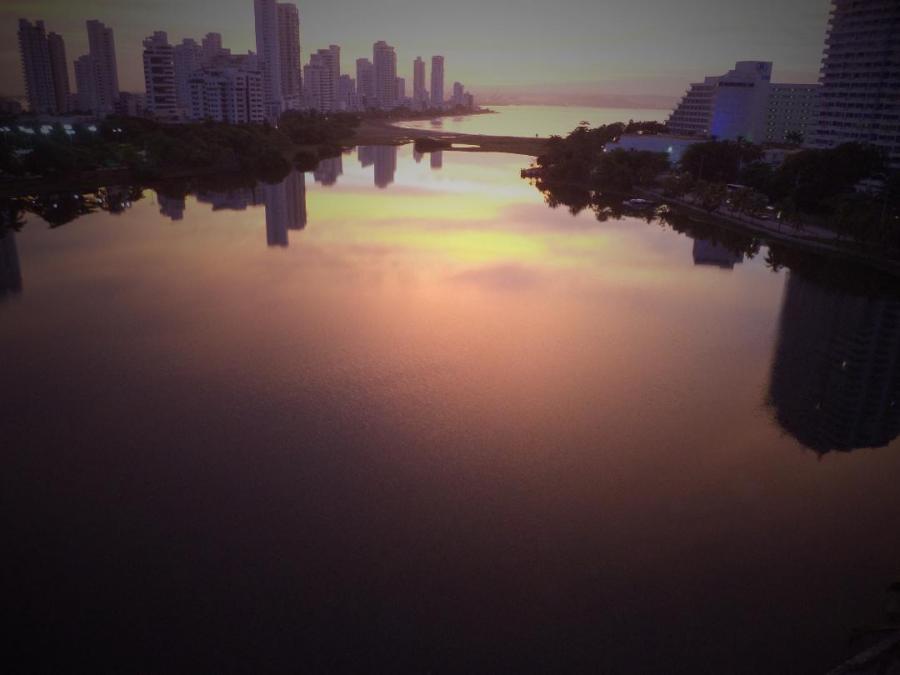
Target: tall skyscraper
(401,89)
(860,77)
(289,50)
(84,84)
(384,60)
(437,81)
(188,58)
(365,83)
(159,77)
(102,48)
(37,67)
(59,71)
(269,52)
(418,80)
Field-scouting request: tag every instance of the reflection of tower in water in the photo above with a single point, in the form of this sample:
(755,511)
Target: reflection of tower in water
(437,159)
(712,253)
(285,208)
(835,381)
(366,154)
(385,165)
(171,207)
(10,271)
(328,170)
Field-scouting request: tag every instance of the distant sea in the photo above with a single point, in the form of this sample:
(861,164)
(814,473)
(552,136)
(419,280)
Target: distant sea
(530,120)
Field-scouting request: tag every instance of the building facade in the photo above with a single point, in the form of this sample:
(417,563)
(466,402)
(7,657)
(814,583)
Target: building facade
(860,77)
(159,78)
(188,58)
(790,112)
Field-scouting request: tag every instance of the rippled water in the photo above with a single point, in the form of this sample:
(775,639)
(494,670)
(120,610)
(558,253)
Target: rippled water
(400,416)
(534,120)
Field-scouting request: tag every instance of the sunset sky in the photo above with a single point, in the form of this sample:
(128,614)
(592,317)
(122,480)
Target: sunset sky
(615,47)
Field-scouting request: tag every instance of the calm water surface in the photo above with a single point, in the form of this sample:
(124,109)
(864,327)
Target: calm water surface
(531,120)
(400,416)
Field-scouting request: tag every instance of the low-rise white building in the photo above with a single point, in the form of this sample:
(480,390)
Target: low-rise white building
(229,92)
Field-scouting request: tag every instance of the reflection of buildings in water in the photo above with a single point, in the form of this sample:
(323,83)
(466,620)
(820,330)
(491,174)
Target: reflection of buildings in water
(285,208)
(835,380)
(10,272)
(417,156)
(328,170)
(385,165)
(366,154)
(232,200)
(171,207)
(708,252)
(437,159)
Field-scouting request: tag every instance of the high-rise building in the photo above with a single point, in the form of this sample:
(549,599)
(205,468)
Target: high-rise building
(727,106)
(437,81)
(384,60)
(365,83)
(188,58)
(102,48)
(322,80)
(230,90)
(459,93)
(84,84)
(289,51)
(317,92)
(37,67)
(269,52)
(401,89)
(59,71)
(419,92)
(791,111)
(159,77)
(860,77)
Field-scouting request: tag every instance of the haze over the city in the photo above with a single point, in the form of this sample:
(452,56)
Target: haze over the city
(570,51)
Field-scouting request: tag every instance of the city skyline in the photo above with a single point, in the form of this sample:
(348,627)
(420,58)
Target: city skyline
(612,58)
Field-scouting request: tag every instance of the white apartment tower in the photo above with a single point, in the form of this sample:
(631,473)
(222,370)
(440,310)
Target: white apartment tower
(860,76)
(437,81)
(102,49)
(269,52)
(384,60)
(159,77)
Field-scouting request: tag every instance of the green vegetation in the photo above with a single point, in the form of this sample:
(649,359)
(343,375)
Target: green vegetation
(150,149)
(848,189)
